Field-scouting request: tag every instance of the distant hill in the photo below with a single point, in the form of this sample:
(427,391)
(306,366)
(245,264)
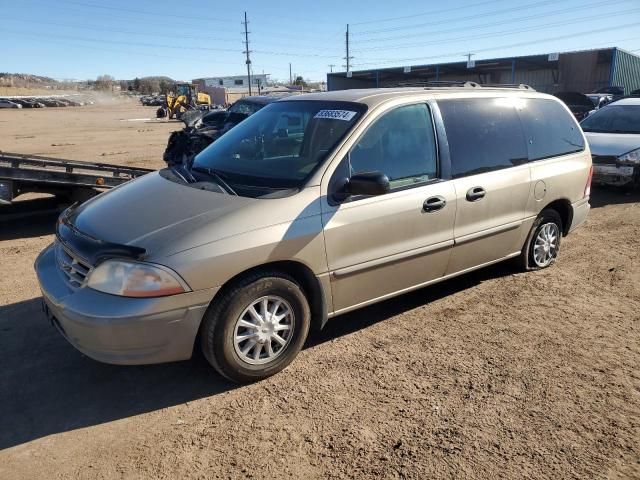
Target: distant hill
(26,80)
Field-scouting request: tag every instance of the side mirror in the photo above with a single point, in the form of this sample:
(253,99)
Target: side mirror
(366,183)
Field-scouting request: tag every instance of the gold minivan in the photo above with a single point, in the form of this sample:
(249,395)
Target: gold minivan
(317,205)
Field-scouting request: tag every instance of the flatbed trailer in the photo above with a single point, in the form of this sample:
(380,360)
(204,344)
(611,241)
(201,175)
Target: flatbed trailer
(73,179)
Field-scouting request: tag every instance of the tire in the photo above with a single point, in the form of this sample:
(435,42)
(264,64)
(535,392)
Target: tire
(221,327)
(528,260)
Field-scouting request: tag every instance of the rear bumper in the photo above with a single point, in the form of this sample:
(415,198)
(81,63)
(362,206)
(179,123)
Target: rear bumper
(120,330)
(580,212)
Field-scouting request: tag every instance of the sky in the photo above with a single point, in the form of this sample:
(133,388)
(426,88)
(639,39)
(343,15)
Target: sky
(187,39)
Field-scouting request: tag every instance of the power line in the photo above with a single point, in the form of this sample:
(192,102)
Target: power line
(433,12)
(144,12)
(109,8)
(513,45)
(93,27)
(589,18)
(174,47)
(468,17)
(492,24)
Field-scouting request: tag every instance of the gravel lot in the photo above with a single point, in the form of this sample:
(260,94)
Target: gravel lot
(493,374)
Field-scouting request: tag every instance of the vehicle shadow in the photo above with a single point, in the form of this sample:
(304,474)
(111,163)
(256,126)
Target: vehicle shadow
(29,218)
(378,312)
(602,196)
(48,387)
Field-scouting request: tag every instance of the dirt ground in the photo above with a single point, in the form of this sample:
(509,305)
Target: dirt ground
(113,131)
(495,374)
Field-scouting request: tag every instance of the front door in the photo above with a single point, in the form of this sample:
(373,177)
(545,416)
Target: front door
(381,245)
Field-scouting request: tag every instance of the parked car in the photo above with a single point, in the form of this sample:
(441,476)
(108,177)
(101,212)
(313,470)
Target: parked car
(9,104)
(599,100)
(202,129)
(314,206)
(613,133)
(579,104)
(616,92)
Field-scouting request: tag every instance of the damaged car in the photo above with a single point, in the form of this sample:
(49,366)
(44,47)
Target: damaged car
(613,133)
(203,128)
(579,104)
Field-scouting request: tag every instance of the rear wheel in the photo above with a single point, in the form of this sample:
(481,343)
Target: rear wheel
(256,328)
(543,243)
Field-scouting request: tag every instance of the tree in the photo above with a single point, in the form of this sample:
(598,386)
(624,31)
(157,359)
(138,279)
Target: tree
(165,87)
(300,81)
(136,84)
(104,82)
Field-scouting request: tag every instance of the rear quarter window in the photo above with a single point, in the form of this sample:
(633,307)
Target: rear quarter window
(484,134)
(550,129)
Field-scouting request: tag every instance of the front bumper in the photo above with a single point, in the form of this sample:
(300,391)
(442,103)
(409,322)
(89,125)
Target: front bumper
(121,330)
(615,175)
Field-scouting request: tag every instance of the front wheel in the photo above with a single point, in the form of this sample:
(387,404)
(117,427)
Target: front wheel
(256,328)
(543,243)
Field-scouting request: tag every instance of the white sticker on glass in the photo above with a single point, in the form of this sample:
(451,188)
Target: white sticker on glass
(345,115)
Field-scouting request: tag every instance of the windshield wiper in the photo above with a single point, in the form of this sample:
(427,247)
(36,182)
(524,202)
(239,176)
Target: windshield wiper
(217,176)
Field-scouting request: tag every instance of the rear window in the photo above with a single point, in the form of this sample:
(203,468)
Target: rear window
(550,129)
(484,134)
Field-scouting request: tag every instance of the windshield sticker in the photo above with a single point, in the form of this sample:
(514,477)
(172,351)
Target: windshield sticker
(345,115)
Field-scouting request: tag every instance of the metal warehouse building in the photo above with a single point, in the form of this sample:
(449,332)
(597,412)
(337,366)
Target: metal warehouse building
(582,71)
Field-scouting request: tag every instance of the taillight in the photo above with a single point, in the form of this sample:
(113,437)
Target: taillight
(587,187)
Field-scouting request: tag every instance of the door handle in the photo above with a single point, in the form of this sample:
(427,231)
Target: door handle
(433,204)
(476,193)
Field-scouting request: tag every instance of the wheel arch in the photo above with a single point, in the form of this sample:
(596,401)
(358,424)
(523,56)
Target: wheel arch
(300,272)
(565,210)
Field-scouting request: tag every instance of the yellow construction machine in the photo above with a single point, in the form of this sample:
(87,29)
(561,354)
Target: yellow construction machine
(183,97)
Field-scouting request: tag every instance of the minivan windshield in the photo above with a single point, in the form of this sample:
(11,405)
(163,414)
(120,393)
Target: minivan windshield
(614,119)
(280,146)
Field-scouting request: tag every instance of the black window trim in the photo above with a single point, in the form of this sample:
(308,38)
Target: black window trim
(436,135)
(528,140)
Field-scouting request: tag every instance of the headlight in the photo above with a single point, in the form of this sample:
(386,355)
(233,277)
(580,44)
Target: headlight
(632,157)
(133,279)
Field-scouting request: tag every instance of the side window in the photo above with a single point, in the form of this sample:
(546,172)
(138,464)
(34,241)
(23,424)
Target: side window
(550,129)
(401,144)
(484,134)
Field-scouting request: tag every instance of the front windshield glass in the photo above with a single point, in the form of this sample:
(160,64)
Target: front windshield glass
(246,108)
(183,89)
(614,119)
(281,145)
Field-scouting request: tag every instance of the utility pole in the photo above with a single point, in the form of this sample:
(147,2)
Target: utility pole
(348,57)
(246,49)
(469,55)
(290,75)
(331,67)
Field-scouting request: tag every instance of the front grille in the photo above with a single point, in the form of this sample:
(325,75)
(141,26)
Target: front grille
(74,268)
(604,159)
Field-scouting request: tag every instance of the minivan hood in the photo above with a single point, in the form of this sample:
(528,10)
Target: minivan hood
(146,211)
(614,144)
